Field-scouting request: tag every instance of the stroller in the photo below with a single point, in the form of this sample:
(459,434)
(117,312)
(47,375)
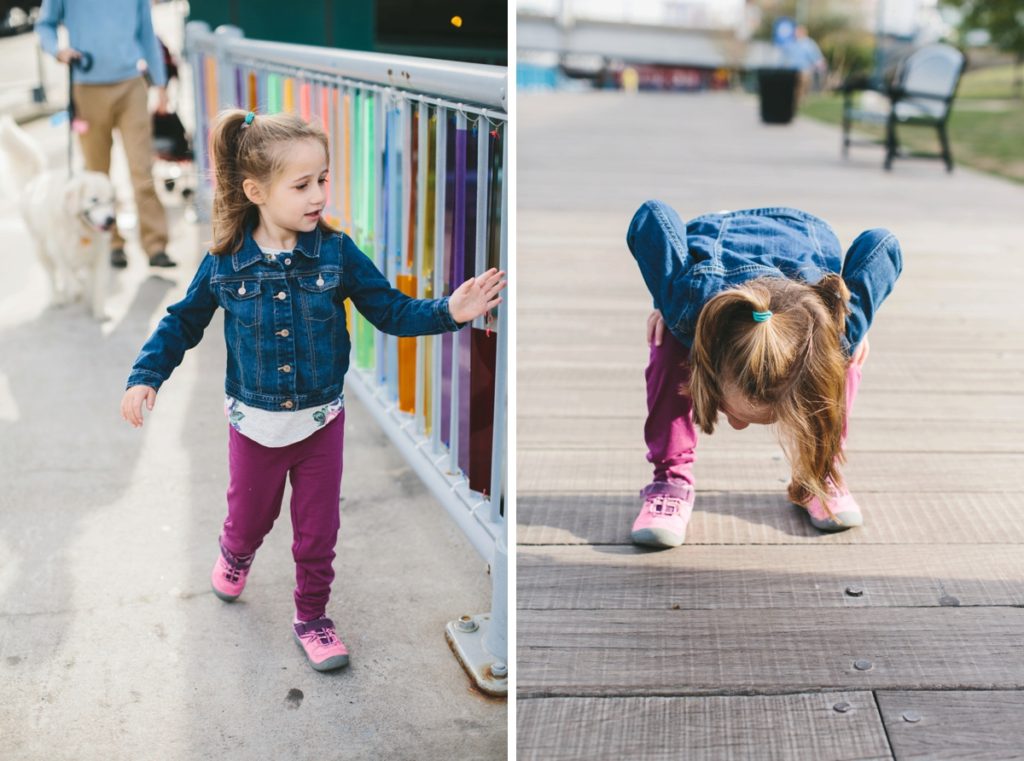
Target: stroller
(172,147)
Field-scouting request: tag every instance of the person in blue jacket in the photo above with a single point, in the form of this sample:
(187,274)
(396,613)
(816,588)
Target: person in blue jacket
(760,316)
(282,275)
(115,37)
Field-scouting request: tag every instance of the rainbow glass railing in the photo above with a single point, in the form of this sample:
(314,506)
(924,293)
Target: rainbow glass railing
(418,180)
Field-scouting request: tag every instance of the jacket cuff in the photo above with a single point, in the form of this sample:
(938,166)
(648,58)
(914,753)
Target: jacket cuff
(144,378)
(444,315)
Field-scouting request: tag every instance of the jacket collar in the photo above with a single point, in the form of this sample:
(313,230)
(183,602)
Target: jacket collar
(308,244)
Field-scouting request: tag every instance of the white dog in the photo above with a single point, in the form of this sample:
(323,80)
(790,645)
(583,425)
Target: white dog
(69,218)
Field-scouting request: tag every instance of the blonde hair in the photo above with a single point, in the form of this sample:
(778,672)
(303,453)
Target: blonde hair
(255,152)
(793,362)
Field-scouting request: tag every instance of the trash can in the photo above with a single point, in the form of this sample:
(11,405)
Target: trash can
(777,88)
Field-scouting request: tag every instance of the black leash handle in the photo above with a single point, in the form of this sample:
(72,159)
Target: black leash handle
(85,64)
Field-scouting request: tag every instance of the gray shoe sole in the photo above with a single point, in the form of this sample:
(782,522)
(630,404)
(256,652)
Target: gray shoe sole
(224,597)
(843,521)
(657,537)
(332,663)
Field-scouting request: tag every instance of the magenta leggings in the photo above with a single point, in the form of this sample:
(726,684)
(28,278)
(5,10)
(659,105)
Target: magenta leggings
(670,433)
(255,493)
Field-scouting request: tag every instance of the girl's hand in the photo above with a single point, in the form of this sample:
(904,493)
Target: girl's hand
(132,401)
(477,295)
(860,355)
(655,328)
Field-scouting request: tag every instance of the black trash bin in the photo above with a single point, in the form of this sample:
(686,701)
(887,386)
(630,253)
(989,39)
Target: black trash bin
(778,94)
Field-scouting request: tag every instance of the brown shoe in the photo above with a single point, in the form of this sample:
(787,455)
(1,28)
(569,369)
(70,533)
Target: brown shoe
(161,259)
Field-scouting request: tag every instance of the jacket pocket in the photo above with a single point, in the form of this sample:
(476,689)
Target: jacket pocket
(239,299)
(317,295)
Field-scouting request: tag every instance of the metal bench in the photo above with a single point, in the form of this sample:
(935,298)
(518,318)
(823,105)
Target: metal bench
(920,92)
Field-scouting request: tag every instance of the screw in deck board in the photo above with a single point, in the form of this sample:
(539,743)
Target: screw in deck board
(912,716)
(862,664)
(854,591)
(842,707)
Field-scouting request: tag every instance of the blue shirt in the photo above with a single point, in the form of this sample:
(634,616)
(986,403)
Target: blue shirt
(284,320)
(117,33)
(685,265)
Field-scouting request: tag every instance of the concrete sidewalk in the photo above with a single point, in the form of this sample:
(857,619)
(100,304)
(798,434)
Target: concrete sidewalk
(112,645)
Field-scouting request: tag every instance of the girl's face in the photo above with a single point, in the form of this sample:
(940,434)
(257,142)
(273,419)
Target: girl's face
(297,195)
(741,411)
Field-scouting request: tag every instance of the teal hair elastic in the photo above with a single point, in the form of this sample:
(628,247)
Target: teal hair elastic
(762,316)
(249,117)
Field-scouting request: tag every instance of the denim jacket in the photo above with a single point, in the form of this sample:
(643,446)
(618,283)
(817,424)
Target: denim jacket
(685,265)
(284,321)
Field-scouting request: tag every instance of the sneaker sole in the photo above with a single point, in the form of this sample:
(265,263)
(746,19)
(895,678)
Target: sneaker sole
(656,537)
(842,522)
(224,596)
(332,663)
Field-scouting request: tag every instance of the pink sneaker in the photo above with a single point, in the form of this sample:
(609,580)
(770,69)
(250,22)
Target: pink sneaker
(845,513)
(321,644)
(228,575)
(663,518)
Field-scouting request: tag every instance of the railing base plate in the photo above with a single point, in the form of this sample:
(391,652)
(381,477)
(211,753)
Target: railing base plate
(468,647)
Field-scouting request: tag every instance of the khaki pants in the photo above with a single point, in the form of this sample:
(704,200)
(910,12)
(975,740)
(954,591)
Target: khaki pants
(123,106)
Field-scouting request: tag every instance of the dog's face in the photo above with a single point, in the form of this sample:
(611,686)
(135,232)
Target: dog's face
(89,196)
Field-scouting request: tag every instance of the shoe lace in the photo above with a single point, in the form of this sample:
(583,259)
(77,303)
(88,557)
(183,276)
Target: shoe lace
(325,635)
(232,572)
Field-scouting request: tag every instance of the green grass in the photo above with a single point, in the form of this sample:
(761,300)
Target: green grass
(986,129)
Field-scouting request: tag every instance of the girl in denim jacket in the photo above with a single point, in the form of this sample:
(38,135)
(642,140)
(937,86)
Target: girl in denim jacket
(767,322)
(281,274)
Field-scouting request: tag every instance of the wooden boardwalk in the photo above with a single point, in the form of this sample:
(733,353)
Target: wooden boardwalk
(760,637)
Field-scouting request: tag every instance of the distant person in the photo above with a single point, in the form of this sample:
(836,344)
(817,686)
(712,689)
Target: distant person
(803,54)
(767,323)
(282,275)
(112,94)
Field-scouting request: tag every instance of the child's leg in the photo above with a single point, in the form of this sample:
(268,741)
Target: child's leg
(669,431)
(316,488)
(257,476)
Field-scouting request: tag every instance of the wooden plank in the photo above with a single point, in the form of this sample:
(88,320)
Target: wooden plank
(605,470)
(981,371)
(595,432)
(803,726)
(907,405)
(703,577)
(766,651)
(747,518)
(954,725)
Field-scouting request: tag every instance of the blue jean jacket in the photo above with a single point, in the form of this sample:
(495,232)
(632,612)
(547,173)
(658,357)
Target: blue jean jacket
(284,320)
(685,265)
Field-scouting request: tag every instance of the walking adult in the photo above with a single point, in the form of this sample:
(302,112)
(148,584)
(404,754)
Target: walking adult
(113,94)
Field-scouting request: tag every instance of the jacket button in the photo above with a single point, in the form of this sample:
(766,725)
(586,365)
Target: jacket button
(283,333)
(287,405)
(287,261)
(282,295)
(286,368)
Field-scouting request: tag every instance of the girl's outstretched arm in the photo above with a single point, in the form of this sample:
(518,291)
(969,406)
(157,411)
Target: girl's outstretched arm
(132,401)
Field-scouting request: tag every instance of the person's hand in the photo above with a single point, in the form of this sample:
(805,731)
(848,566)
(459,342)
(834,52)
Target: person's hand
(476,296)
(860,355)
(161,99)
(67,55)
(655,328)
(132,401)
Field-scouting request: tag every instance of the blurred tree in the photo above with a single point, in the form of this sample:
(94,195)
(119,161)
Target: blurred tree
(1004,21)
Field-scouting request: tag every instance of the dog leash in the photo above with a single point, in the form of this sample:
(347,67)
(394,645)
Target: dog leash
(84,63)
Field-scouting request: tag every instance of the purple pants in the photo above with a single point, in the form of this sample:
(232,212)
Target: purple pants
(670,432)
(255,492)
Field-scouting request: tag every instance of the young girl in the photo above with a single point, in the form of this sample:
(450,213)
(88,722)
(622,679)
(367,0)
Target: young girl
(282,274)
(767,322)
